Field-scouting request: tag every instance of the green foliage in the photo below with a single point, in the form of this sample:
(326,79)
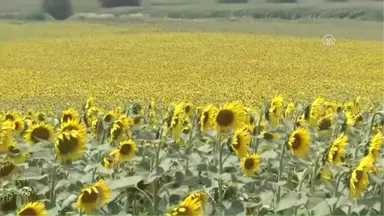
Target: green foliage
(119,3)
(58,9)
(233,1)
(35,15)
(336,1)
(281,1)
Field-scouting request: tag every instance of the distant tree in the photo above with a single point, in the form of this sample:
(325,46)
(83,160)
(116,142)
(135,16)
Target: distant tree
(58,9)
(119,3)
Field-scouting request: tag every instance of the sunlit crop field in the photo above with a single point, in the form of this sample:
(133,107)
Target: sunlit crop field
(156,123)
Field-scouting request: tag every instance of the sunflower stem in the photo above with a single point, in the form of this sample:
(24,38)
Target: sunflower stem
(220,172)
(299,189)
(382,197)
(283,148)
(314,173)
(336,190)
(53,182)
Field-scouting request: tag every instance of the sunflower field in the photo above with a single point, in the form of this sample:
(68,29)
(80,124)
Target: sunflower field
(191,124)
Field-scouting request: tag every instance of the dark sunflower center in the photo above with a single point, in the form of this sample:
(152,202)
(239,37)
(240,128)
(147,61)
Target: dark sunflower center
(89,197)
(66,145)
(9,204)
(116,133)
(268,136)
(108,118)
(67,117)
(41,117)
(252,120)
(6,169)
(9,117)
(324,124)
(28,212)
(17,125)
(359,175)
(125,149)
(40,133)
(187,109)
(237,144)
(206,116)
(225,118)
(249,162)
(137,120)
(297,142)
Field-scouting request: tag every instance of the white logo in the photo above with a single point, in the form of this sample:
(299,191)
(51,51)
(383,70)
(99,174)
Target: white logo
(328,40)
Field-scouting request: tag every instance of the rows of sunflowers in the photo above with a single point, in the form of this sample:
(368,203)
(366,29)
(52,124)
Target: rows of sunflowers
(286,157)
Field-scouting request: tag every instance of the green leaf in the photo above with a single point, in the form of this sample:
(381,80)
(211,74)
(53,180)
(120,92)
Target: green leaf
(145,134)
(266,197)
(179,177)
(231,161)
(31,176)
(127,182)
(70,199)
(62,183)
(205,148)
(376,178)
(43,190)
(270,154)
(331,201)
(166,164)
(89,167)
(236,208)
(62,196)
(287,201)
(321,208)
(159,171)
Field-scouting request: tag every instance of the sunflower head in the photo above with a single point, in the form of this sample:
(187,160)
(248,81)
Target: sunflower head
(289,110)
(94,196)
(269,136)
(118,132)
(18,125)
(324,123)
(336,151)
(200,196)
(6,136)
(375,144)
(33,209)
(189,206)
(299,142)
(125,151)
(70,144)
(39,132)
(240,142)
(8,170)
(207,118)
(16,155)
(89,103)
(229,116)
(41,116)
(70,115)
(358,179)
(250,164)
(275,109)
(109,117)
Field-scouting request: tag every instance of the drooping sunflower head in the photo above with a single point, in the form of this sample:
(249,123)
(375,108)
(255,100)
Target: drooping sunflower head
(89,103)
(188,207)
(289,110)
(240,142)
(358,179)
(125,151)
(41,116)
(316,110)
(207,118)
(250,164)
(33,209)
(375,144)
(39,132)
(325,123)
(118,132)
(16,155)
(230,116)
(109,116)
(6,136)
(8,170)
(109,161)
(275,109)
(270,136)
(200,196)
(299,142)
(94,196)
(336,150)
(18,125)
(70,144)
(326,174)
(70,115)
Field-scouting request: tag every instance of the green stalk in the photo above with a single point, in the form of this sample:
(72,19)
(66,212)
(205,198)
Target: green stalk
(156,165)
(258,132)
(299,189)
(336,189)
(382,197)
(314,172)
(220,171)
(53,182)
(283,148)
(189,145)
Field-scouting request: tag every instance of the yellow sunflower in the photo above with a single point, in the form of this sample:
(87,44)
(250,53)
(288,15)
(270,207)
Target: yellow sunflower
(90,103)
(94,196)
(358,180)
(201,196)
(375,145)
(177,124)
(72,125)
(6,137)
(299,142)
(8,170)
(39,132)
(16,155)
(270,136)
(109,161)
(190,207)
(70,144)
(70,115)
(336,151)
(207,119)
(274,112)
(250,164)
(109,116)
(152,111)
(326,174)
(118,132)
(41,116)
(289,111)
(125,151)
(324,124)
(316,111)
(33,209)
(240,142)
(18,125)
(229,116)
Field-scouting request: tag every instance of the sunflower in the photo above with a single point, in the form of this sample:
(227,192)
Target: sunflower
(324,123)
(200,196)
(71,125)
(90,103)
(8,202)
(109,160)
(358,180)
(41,116)
(152,111)
(190,206)
(125,151)
(207,118)
(229,116)
(270,136)
(96,127)
(70,144)
(336,151)
(70,115)
(11,116)
(109,116)
(240,142)
(33,209)
(299,142)
(375,144)
(92,114)
(6,138)
(8,170)
(118,132)
(274,112)
(326,174)
(18,125)
(16,155)
(288,114)
(176,125)
(94,196)
(250,164)
(316,111)
(39,132)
